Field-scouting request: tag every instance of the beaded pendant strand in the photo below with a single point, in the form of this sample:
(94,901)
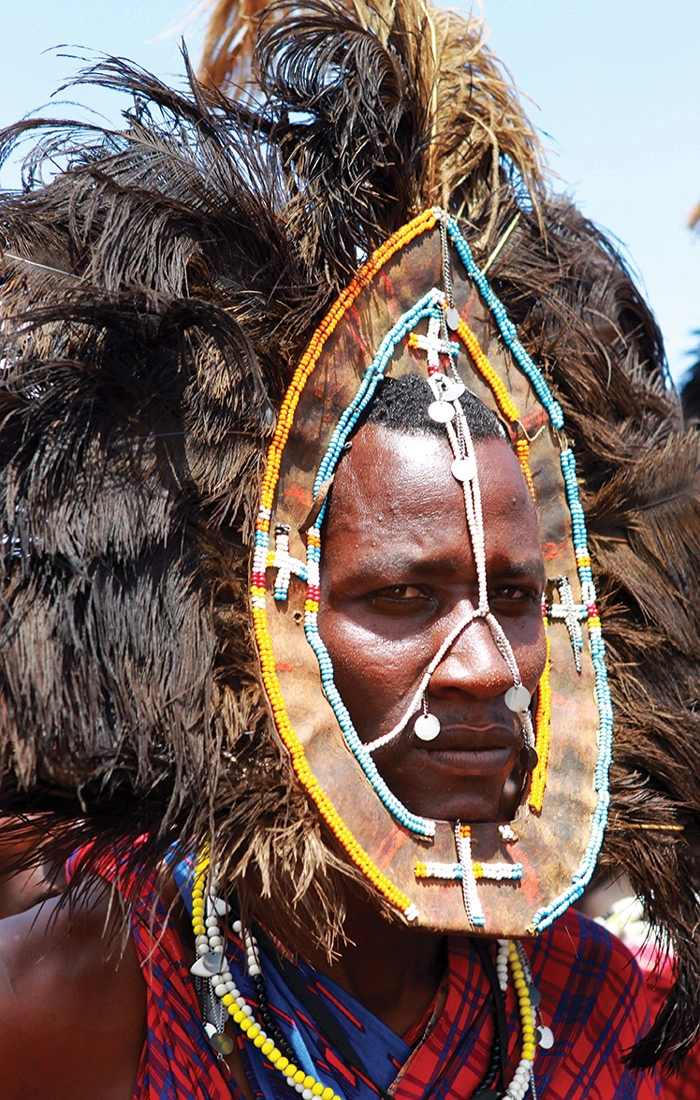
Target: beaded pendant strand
(211,964)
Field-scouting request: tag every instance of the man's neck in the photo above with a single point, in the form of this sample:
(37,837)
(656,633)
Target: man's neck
(391,969)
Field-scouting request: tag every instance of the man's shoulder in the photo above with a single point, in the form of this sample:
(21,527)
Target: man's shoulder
(72,965)
(37,943)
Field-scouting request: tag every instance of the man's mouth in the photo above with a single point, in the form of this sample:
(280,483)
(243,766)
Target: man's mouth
(470,750)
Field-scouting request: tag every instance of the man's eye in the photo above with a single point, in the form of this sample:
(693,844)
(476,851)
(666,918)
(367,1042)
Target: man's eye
(514,594)
(398,594)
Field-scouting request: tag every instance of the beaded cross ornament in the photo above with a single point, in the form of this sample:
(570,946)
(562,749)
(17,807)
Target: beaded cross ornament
(421,305)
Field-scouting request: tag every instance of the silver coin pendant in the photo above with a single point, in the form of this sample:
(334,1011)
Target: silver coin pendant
(426,727)
(441,411)
(517,698)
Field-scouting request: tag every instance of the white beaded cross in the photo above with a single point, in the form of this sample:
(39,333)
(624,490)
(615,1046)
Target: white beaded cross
(433,344)
(465,872)
(570,613)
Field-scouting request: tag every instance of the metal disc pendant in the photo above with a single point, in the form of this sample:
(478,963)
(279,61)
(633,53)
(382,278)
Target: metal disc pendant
(452,390)
(222,1043)
(426,727)
(529,758)
(452,318)
(517,698)
(535,996)
(546,1039)
(441,411)
(208,964)
(463,469)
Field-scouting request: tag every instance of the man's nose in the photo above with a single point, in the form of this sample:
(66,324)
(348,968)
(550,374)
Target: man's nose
(473,665)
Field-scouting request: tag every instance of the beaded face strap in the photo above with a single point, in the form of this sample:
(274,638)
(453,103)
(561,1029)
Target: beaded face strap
(373,847)
(446,409)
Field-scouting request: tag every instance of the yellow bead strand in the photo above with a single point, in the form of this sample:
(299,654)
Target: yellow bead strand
(528,1043)
(308,780)
(248,1028)
(542,734)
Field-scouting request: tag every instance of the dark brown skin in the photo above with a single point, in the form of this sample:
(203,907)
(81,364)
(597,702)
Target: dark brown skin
(23,890)
(398,573)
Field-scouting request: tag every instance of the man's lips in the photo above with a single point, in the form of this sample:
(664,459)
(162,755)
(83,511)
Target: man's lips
(470,750)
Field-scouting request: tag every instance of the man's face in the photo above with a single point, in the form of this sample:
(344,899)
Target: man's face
(397,575)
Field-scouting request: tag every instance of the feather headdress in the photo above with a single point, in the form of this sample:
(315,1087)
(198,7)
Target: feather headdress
(690,395)
(157,296)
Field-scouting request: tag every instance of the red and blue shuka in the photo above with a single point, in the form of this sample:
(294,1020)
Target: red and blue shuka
(592,994)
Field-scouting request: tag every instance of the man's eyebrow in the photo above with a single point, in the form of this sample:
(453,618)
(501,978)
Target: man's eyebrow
(526,566)
(403,564)
(369,565)
(516,571)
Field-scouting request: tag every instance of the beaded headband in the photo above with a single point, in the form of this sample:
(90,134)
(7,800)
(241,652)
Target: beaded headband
(421,305)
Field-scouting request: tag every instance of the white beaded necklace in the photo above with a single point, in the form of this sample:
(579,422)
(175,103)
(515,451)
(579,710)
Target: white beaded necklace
(211,964)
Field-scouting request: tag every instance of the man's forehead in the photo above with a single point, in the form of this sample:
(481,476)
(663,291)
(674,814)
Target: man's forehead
(395,497)
(385,464)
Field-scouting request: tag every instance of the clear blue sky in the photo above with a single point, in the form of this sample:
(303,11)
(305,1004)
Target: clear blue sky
(615,85)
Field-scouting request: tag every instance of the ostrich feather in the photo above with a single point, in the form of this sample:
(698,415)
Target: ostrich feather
(156,296)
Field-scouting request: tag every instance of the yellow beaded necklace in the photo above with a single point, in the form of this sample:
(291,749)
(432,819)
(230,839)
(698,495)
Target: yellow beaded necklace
(211,963)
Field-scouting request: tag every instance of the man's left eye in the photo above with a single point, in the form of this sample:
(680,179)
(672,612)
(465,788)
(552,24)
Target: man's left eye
(513,593)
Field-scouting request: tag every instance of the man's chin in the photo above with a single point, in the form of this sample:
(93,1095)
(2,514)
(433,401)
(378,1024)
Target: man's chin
(440,795)
(474,809)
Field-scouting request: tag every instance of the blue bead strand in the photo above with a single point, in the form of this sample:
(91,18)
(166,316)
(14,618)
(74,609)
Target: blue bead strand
(412,822)
(373,375)
(506,327)
(581,878)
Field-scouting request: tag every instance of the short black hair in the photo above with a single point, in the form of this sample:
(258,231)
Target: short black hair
(402,405)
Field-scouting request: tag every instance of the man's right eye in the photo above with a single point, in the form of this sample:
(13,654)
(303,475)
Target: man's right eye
(398,594)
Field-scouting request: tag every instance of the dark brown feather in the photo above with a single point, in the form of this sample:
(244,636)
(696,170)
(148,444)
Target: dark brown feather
(156,298)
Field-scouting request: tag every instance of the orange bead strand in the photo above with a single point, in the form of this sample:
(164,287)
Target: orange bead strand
(307,364)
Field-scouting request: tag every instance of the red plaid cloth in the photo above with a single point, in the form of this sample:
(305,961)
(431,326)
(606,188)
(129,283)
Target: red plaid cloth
(593,998)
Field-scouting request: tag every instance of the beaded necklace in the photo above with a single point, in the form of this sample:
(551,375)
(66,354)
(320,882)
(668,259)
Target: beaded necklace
(212,967)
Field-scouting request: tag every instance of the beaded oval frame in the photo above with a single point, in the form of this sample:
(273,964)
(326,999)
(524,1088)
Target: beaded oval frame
(506,880)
